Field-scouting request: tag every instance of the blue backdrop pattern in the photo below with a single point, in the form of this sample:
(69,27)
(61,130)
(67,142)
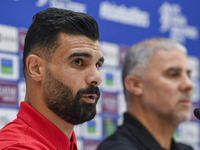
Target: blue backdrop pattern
(122,23)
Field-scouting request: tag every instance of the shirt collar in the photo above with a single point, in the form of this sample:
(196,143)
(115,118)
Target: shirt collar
(43,126)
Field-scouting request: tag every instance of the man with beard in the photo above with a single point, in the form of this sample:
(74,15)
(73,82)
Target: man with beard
(61,60)
(158,90)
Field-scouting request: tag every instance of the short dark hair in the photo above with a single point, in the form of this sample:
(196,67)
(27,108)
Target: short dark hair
(43,33)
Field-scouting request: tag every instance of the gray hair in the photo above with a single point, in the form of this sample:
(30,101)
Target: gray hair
(138,56)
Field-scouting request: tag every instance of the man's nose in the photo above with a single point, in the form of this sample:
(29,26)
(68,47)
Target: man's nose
(94,77)
(187,84)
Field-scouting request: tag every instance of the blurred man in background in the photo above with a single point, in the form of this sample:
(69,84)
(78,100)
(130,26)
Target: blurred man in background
(158,91)
(61,60)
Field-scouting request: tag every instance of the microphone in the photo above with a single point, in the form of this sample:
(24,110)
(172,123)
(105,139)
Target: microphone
(197,113)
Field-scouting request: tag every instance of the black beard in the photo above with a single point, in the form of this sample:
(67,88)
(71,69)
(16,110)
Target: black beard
(60,99)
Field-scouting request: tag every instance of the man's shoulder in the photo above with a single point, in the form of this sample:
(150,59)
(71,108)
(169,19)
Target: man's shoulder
(18,134)
(14,129)
(184,146)
(12,133)
(115,144)
(118,141)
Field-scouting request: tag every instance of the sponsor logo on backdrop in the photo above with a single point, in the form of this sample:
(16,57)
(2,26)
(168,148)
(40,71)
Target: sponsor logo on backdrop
(8,94)
(90,145)
(8,38)
(6,66)
(109,79)
(111,53)
(133,16)
(22,35)
(109,82)
(173,21)
(109,103)
(93,129)
(110,125)
(64,4)
(187,132)
(9,66)
(7,115)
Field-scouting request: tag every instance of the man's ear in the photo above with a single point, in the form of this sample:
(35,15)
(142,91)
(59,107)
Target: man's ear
(35,67)
(134,85)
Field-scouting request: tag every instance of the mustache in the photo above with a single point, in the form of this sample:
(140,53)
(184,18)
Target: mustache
(90,90)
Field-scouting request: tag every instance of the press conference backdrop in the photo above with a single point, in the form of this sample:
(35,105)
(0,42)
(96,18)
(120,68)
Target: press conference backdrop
(122,23)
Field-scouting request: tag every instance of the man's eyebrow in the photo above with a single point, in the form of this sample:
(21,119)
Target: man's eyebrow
(178,69)
(174,69)
(84,55)
(80,55)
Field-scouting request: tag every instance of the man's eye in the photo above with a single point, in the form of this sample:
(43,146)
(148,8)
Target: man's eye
(173,74)
(189,74)
(78,62)
(98,66)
